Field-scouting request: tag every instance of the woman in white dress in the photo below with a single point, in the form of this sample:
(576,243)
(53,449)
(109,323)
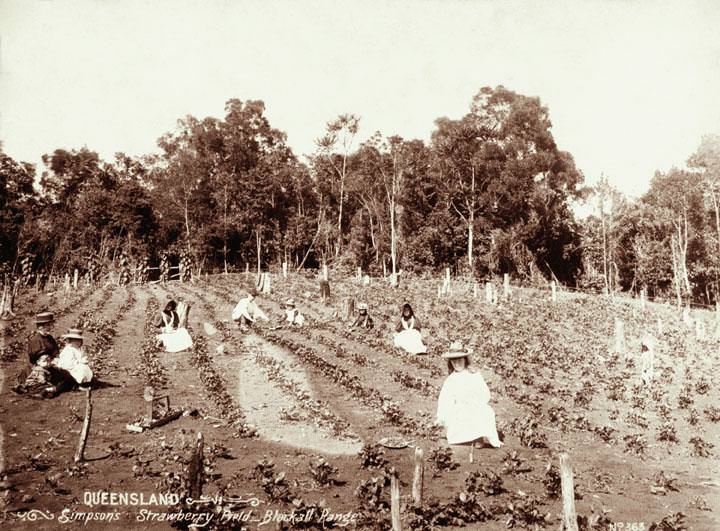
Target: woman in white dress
(174,338)
(464,402)
(73,359)
(408,336)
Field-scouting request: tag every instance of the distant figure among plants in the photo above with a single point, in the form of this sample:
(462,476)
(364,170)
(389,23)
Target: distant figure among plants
(292,315)
(464,402)
(408,336)
(247,312)
(363,319)
(174,336)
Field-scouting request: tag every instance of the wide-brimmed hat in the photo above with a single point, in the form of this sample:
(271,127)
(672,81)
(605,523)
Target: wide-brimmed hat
(74,333)
(362,306)
(44,318)
(457,350)
(290,302)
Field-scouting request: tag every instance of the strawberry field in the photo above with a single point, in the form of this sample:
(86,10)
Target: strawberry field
(291,418)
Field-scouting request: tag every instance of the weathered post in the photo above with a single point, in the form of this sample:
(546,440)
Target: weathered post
(284,269)
(620,346)
(80,453)
(686,317)
(506,286)
(359,273)
(325,272)
(266,284)
(568,494)
(488,292)
(553,289)
(195,470)
(395,501)
(642,299)
(475,290)
(350,309)
(418,476)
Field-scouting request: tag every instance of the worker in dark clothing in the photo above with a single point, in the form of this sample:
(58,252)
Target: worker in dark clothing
(40,376)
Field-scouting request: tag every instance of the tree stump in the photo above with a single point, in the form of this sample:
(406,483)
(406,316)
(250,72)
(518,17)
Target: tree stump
(183,311)
(350,309)
(324,289)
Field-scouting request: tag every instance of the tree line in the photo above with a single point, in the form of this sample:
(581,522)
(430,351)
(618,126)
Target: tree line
(490,193)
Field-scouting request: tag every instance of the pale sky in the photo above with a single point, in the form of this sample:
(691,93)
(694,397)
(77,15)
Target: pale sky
(631,85)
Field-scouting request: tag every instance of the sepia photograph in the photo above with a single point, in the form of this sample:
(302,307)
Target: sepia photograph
(367,265)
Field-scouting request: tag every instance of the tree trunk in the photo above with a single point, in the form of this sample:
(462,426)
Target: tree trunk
(225,251)
(258,241)
(471,221)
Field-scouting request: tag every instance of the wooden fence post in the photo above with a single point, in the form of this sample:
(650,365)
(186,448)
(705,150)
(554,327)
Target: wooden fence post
(395,501)
(359,273)
(325,272)
(76,276)
(642,299)
(195,469)
(418,476)
(620,345)
(506,286)
(568,494)
(284,267)
(488,292)
(475,290)
(553,289)
(80,453)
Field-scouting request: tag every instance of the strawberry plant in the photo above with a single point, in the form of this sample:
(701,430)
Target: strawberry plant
(323,472)
(372,456)
(700,447)
(441,458)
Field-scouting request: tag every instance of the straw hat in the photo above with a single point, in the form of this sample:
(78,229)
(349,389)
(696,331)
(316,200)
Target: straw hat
(362,306)
(290,302)
(74,333)
(457,350)
(44,318)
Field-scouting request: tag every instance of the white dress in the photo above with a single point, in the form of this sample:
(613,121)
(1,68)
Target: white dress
(410,338)
(174,340)
(294,317)
(74,361)
(464,409)
(248,309)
